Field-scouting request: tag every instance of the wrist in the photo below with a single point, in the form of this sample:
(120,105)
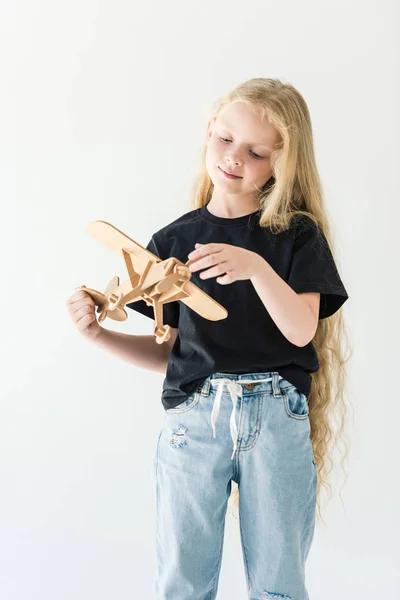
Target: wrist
(95,336)
(259,265)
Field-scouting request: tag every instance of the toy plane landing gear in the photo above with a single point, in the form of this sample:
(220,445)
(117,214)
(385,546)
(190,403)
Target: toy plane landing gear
(151,279)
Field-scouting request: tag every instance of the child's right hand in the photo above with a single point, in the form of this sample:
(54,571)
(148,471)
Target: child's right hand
(81,309)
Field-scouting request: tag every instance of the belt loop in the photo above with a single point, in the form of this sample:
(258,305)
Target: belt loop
(205,387)
(275,384)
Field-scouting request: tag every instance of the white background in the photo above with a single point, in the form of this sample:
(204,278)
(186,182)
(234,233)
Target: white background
(103,111)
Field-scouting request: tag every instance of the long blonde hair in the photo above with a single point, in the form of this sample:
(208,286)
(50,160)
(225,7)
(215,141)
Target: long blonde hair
(295,188)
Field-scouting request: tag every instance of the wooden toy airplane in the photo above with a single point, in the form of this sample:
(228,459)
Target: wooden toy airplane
(155,281)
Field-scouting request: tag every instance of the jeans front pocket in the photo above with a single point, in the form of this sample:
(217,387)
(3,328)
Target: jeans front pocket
(188,404)
(295,402)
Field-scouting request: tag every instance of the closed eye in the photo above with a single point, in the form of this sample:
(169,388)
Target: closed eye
(257,156)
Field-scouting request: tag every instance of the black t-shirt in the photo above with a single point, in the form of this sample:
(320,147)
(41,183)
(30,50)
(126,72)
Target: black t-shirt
(247,340)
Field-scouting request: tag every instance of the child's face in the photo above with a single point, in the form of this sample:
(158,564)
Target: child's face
(245,150)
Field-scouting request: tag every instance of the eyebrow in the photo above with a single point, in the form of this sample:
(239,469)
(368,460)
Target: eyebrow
(226,126)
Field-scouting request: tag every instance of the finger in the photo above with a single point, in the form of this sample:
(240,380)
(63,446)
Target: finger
(77,296)
(215,271)
(82,312)
(226,279)
(82,303)
(206,249)
(206,261)
(85,321)
(201,263)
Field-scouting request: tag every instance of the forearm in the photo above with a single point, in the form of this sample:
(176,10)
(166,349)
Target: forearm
(139,350)
(291,315)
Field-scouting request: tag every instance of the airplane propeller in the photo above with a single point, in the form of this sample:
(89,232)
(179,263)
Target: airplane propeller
(108,303)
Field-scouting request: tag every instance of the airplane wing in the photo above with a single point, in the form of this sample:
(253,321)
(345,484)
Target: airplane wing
(203,304)
(117,241)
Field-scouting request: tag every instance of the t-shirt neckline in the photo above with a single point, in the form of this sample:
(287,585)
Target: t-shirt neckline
(225,221)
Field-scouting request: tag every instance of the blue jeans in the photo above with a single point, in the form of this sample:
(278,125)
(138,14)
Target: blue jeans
(253,429)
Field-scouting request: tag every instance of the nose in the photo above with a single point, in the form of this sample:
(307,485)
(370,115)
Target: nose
(234,157)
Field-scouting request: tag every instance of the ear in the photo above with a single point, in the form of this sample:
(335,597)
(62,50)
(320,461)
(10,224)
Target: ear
(210,128)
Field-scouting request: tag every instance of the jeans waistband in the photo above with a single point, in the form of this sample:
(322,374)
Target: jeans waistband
(273,383)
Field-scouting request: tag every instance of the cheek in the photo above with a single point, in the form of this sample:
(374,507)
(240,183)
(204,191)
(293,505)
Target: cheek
(213,156)
(213,149)
(261,172)
(211,161)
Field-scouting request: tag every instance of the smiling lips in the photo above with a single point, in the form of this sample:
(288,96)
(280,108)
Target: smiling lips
(229,175)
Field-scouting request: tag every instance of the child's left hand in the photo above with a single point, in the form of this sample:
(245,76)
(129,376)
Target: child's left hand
(237,263)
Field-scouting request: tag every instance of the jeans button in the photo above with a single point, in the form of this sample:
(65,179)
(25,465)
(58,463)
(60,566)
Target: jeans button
(249,386)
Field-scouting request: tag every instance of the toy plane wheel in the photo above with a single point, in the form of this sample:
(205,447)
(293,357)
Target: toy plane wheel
(163,334)
(183,272)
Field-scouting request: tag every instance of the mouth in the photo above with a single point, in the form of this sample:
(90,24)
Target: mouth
(228,175)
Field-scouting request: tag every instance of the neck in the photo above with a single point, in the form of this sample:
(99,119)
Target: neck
(232,209)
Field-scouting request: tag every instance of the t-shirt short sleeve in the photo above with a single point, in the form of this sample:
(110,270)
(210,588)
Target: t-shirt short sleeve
(170,309)
(313,269)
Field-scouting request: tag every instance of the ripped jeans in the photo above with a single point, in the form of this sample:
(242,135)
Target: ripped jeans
(253,429)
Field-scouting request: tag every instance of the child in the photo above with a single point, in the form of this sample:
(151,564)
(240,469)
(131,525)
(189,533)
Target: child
(248,398)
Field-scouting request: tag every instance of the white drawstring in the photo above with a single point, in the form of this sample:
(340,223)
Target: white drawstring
(235,388)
